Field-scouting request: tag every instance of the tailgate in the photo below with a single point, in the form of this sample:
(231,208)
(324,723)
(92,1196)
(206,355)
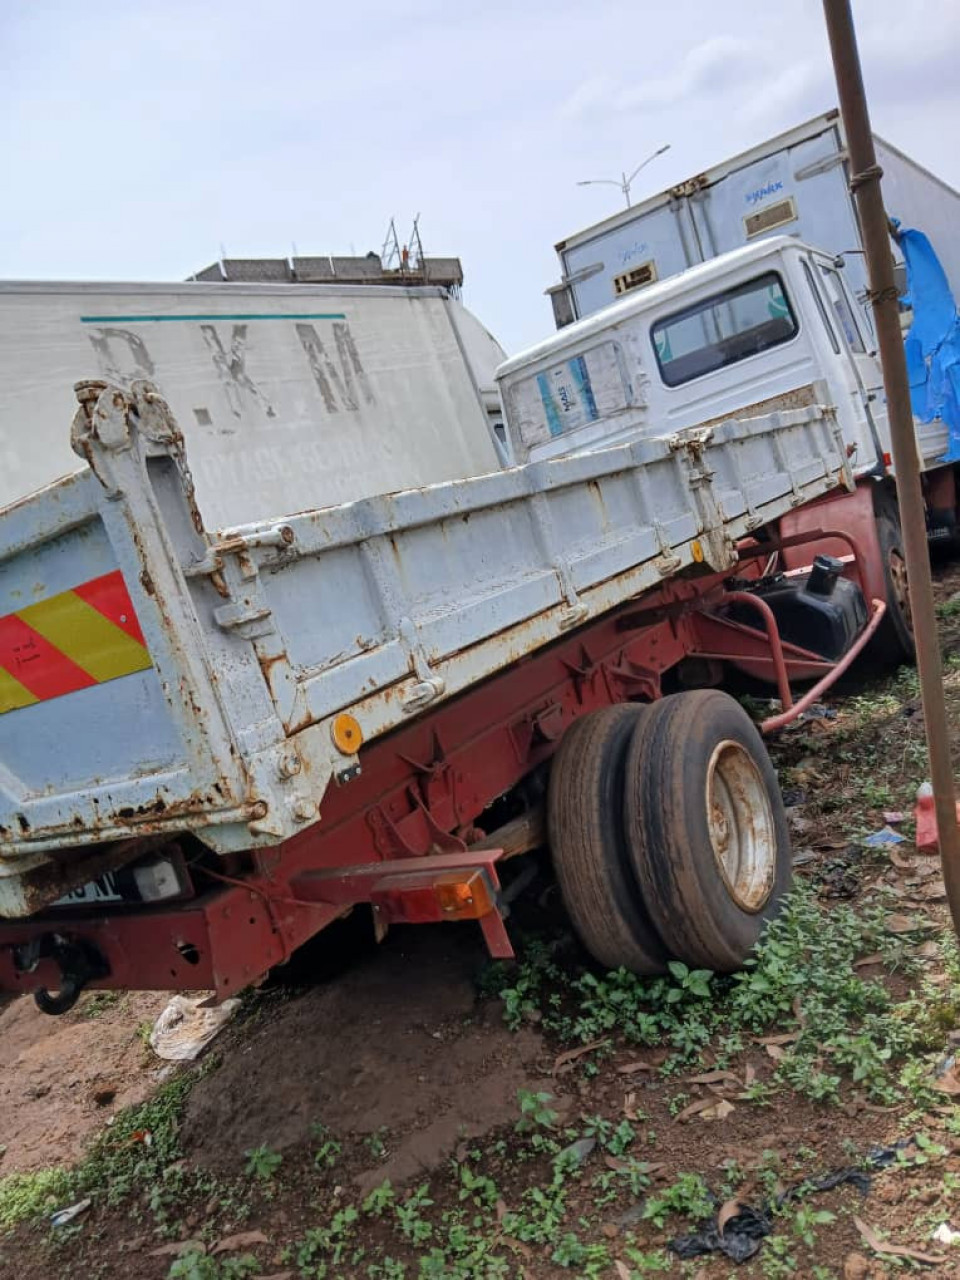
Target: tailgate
(109,726)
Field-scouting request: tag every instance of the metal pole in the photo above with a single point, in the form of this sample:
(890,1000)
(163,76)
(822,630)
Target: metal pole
(865,184)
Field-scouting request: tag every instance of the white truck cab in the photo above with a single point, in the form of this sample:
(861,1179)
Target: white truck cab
(767,327)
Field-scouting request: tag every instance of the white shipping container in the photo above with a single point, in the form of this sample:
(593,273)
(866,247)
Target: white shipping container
(794,184)
(290,396)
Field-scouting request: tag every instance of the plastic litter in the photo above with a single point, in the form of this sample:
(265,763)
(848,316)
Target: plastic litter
(184,1027)
(743,1234)
(886,835)
(63,1216)
(945,1234)
(741,1238)
(928,839)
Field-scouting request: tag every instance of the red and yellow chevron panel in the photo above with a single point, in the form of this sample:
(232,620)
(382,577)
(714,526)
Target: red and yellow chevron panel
(70,641)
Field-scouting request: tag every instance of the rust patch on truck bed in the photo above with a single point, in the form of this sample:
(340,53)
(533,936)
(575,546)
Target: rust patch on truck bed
(800,398)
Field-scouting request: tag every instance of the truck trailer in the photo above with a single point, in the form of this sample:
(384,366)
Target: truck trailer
(288,395)
(216,741)
(797,183)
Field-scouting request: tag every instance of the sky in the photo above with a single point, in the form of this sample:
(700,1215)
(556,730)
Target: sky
(139,138)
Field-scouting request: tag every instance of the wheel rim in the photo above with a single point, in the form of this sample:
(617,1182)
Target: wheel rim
(901,590)
(742,828)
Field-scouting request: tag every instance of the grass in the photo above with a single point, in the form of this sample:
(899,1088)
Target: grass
(802,978)
(544,1187)
(132,1155)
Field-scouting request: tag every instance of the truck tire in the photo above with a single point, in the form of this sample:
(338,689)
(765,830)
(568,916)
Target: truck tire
(705,827)
(584,814)
(893,643)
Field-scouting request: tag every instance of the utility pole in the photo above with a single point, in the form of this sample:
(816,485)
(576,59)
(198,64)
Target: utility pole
(865,185)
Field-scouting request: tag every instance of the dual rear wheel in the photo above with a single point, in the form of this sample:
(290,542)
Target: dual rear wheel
(668,833)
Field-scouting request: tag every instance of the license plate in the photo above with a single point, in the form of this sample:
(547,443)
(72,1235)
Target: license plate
(104,889)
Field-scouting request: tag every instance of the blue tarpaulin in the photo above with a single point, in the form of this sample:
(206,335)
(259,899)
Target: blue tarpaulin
(933,342)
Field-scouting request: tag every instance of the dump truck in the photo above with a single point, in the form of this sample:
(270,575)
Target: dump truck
(214,742)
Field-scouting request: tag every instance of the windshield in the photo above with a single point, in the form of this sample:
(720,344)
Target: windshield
(724,328)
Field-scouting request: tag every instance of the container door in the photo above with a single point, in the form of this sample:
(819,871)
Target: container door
(628,257)
(799,191)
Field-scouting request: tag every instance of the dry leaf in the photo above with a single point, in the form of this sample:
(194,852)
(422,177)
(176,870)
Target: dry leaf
(610,1230)
(693,1109)
(276,1275)
(932,892)
(178,1247)
(630,1068)
(518,1246)
(903,924)
(571,1055)
(729,1209)
(622,1270)
(929,950)
(242,1240)
(876,958)
(949,1082)
(787,1037)
(749,1075)
(775,1052)
(712,1077)
(905,864)
(501,1210)
(898,1250)
(719,1111)
(615,1163)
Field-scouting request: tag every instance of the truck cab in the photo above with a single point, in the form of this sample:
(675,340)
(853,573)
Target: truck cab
(767,327)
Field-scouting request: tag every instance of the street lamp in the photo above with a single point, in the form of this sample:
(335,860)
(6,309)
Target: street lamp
(625,183)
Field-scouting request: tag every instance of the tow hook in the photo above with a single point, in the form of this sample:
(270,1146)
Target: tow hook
(79,962)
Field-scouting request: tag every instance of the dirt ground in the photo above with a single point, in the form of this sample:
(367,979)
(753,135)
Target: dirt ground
(402,1067)
(396,1044)
(60,1078)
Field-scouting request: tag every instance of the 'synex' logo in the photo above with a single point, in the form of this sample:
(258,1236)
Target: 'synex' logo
(760,193)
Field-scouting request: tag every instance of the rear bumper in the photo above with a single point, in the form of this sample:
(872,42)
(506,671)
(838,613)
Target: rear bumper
(221,942)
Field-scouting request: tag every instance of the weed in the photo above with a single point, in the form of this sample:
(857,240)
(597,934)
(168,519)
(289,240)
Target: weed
(535,1111)
(329,1245)
(688,1196)
(413,1226)
(806,1219)
(262,1163)
(98,1003)
(376,1142)
(655,1262)
(200,1266)
(329,1151)
(27,1195)
(480,1190)
(778,1262)
(379,1200)
(590,1260)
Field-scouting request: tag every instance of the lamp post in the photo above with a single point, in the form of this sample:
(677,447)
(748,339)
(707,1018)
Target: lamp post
(625,182)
